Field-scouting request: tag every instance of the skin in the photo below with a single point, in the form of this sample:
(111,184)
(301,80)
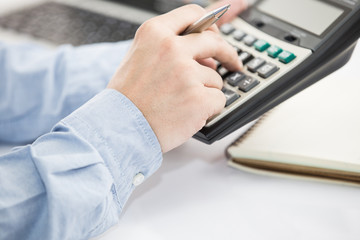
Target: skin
(237,6)
(172,78)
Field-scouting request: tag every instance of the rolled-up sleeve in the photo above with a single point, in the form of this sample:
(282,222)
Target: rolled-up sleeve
(73,182)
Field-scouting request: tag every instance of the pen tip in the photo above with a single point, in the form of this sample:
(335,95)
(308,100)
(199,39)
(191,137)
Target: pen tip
(220,11)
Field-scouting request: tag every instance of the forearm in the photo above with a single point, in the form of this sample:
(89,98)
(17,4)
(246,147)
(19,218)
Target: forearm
(72,183)
(39,86)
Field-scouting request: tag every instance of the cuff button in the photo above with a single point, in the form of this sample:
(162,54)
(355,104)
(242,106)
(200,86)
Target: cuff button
(138,179)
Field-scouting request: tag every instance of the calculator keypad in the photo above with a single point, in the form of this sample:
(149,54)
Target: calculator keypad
(254,64)
(249,40)
(245,57)
(248,83)
(238,35)
(267,70)
(227,28)
(235,78)
(286,57)
(223,72)
(274,51)
(263,62)
(230,96)
(261,45)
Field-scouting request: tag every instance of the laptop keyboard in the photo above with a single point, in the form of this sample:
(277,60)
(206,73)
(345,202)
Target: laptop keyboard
(62,24)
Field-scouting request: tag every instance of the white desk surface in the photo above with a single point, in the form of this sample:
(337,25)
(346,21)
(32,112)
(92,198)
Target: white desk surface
(196,195)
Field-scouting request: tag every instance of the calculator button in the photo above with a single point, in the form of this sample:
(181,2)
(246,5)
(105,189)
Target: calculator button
(238,50)
(274,51)
(227,28)
(235,78)
(223,71)
(286,57)
(248,83)
(230,96)
(238,35)
(261,45)
(245,57)
(267,69)
(218,64)
(249,40)
(254,64)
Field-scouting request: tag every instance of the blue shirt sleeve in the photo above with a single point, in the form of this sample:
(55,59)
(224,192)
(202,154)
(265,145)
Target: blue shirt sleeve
(73,182)
(40,86)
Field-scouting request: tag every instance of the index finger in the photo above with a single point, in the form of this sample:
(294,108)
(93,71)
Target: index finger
(211,45)
(180,18)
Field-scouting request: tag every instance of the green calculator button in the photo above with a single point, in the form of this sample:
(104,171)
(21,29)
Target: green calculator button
(274,51)
(261,45)
(286,57)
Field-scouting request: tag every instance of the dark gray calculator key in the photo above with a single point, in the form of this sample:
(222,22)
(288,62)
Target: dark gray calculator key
(267,70)
(254,64)
(238,35)
(230,96)
(248,83)
(249,40)
(245,57)
(235,78)
(223,72)
(227,28)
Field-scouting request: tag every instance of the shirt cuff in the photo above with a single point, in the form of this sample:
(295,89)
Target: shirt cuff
(117,129)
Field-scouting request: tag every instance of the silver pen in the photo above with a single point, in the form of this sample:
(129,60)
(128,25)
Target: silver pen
(206,21)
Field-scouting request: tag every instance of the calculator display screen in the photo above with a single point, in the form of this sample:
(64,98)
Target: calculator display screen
(311,15)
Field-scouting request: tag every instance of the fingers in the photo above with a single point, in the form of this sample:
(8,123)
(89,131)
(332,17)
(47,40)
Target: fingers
(210,78)
(214,28)
(215,101)
(210,45)
(179,19)
(237,6)
(208,62)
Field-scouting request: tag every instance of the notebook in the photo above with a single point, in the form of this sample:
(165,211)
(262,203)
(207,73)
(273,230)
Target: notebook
(316,133)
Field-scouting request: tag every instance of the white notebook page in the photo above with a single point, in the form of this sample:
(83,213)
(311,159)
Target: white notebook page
(321,123)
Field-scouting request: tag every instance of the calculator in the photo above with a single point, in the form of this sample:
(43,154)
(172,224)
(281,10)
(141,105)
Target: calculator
(285,46)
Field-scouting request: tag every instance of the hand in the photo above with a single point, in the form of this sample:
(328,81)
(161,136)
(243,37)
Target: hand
(170,77)
(237,6)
